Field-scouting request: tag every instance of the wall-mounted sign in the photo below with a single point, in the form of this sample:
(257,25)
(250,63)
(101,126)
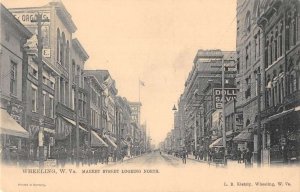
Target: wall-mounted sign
(47,53)
(27,17)
(230,94)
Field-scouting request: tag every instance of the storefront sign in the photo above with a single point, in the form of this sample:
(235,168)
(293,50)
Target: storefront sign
(230,94)
(27,17)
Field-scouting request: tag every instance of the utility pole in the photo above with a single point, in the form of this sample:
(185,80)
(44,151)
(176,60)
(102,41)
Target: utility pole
(195,131)
(39,19)
(77,119)
(223,112)
(258,119)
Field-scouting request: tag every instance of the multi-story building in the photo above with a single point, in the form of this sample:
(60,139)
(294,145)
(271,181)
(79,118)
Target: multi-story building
(96,107)
(207,67)
(108,114)
(249,63)
(59,49)
(280,30)
(13,60)
(125,126)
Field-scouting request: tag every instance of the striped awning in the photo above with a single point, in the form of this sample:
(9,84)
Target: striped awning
(97,141)
(74,124)
(110,141)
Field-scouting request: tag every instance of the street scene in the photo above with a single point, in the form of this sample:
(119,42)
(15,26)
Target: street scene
(237,106)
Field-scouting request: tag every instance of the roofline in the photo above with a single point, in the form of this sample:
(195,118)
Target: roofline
(80,49)
(5,12)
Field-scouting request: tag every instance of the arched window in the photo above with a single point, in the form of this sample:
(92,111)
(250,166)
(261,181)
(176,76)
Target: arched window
(62,49)
(248,22)
(57,45)
(267,54)
(67,54)
(271,50)
(247,122)
(280,42)
(294,29)
(275,46)
(287,36)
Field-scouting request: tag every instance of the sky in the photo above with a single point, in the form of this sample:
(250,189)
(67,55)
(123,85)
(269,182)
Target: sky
(151,40)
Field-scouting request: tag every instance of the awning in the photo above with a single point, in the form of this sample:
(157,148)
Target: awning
(229,133)
(74,123)
(217,143)
(244,136)
(9,126)
(278,115)
(96,141)
(110,141)
(124,143)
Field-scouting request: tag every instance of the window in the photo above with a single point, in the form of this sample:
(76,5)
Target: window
(58,45)
(287,42)
(257,46)
(73,70)
(51,108)
(62,49)
(248,91)
(44,80)
(271,51)
(52,84)
(35,73)
(238,65)
(13,78)
(44,103)
(248,47)
(73,99)
(267,54)
(34,99)
(248,22)
(280,45)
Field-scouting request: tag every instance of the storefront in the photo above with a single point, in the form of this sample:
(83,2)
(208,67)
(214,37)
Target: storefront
(282,136)
(244,140)
(12,135)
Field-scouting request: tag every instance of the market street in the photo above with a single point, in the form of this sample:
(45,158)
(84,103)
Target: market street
(155,158)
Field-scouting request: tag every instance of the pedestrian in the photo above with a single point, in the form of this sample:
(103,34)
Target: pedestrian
(184,154)
(239,155)
(248,156)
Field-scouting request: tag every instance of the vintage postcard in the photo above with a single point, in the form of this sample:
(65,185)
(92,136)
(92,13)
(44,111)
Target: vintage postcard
(150,95)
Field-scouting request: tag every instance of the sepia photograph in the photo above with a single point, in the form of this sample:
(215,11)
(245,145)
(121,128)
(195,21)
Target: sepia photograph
(150,95)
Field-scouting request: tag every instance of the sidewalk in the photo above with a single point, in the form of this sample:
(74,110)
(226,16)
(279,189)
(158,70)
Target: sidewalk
(230,163)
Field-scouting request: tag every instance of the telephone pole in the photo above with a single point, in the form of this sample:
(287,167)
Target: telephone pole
(258,119)
(39,19)
(223,112)
(77,119)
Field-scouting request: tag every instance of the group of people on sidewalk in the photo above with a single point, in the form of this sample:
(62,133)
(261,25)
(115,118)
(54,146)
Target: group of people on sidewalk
(62,156)
(244,156)
(216,156)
